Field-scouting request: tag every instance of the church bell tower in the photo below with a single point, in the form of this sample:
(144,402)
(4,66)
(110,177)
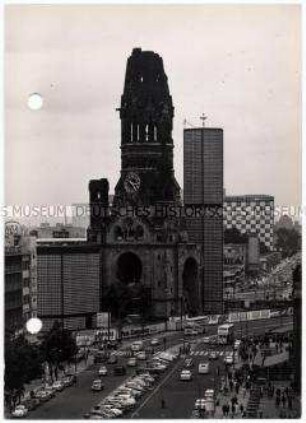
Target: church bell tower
(146,113)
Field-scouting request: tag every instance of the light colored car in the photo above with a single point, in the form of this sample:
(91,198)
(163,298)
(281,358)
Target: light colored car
(228,359)
(206,340)
(154,341)
(237,344)
(116,411)
(132,362)
(42,395)
(97,385)
(102,371)
(203,368)
(137,346)
(200,404)
(185,375)
(142,355)
(58,385)
(20,411)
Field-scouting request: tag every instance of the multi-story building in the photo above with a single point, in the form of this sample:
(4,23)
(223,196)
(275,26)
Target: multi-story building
(251,214)
(20,278)
(69,283)
(203,187)
(13,289)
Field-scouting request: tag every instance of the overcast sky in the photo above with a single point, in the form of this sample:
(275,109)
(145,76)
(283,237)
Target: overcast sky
(240,65)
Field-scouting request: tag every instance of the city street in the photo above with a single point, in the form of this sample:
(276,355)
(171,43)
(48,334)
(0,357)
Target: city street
(179,396)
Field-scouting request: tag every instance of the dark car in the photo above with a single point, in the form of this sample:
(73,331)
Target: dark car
(112,359)
(188,363)
(119,371)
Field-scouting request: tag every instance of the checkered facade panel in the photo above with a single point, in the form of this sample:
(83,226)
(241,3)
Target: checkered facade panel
(251,215)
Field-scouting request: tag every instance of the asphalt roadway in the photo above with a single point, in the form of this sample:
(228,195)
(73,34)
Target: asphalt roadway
(179,396)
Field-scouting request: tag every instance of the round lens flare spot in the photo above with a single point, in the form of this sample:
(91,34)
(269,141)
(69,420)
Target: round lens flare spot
(35,101)
(34,325)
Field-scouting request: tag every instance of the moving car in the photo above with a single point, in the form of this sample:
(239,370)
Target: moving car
(102,371)
(188,363)
(186,375)
(137,346)
(203,368)
(228,359)
(213,355)
(97,385)
(119,371)
(112,359)
(132,362)
(20,411)
(154,341)
(141,355)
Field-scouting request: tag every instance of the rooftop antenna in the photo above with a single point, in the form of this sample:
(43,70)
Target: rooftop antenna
(203,118)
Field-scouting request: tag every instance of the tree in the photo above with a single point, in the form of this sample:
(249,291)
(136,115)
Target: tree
(234,236)
(288,241)
(23,363)
(58,347)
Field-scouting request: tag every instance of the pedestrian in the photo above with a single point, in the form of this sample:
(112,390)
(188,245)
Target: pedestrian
(283,399)
(163,403)
(237,387)
(218,371)
(224,409)
(290,403)
(227,409)
(277,401)
(241,409)
(231,385)
(233,409)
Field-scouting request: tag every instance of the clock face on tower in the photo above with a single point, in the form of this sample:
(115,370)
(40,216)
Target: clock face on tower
(132,182)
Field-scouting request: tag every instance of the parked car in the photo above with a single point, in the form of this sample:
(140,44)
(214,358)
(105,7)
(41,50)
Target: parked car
(119,371)
(31,403)
(102,371)
(20,411)
(155,341)
(97,385)
(186,375)
(69,380)
(58,385)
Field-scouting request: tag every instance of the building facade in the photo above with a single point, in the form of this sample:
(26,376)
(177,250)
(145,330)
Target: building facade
(251,215)
(69,284)
(203,188)
(20,280)
(145,250)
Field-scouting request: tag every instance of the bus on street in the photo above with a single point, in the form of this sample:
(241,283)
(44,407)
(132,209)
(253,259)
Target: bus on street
(226,334)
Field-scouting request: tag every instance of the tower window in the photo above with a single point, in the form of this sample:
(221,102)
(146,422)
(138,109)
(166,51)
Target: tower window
(155,133)
(132,136)
(138,132)
(147,132)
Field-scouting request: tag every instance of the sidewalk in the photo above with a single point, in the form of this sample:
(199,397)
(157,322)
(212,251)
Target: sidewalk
(269,409)
(223,399)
